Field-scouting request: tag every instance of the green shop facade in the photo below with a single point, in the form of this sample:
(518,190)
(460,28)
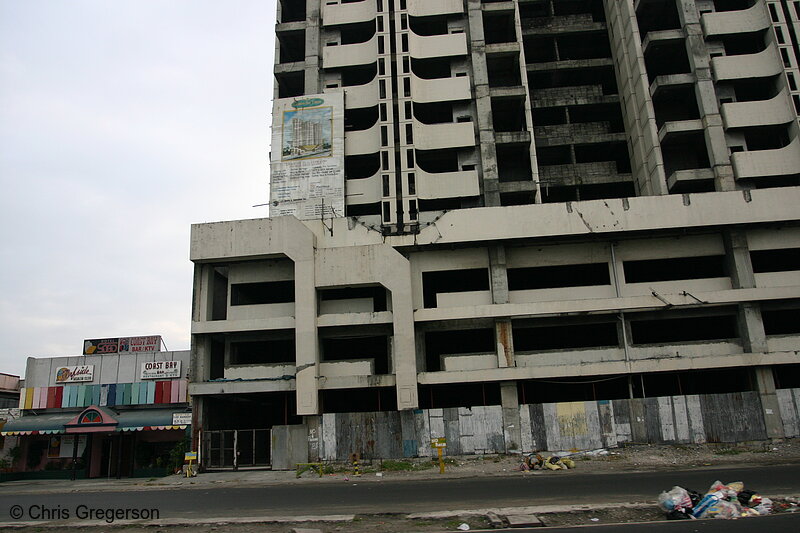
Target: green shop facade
(120,414)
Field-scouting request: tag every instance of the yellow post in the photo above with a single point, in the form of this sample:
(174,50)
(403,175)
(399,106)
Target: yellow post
(441,461)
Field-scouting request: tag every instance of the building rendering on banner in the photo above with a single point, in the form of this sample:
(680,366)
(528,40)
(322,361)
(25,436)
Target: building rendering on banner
(549,220)
(120,412)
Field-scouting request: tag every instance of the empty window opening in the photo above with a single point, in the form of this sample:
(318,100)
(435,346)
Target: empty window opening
(549,116)
(781,321)
(374,347)
(586,45)
(442,281)
(786,376)
(460,395)
(456,342)
(684,152)
(247,411)
(518,198)
(431,68)
(219,306)
(719,381)
(427,26)
(551,277)
(361,166)
(358,75)
(605,114)
(513,162)
(443,204)
(376,294)
(264,352)
(356,33)
(503,71)
(360,119)
(269,292)
(574,389)
(657,16)
(369,400)
(292,11)
(217,358)
(499,27)
(508,114)
(767,137)
(361,210)
(689,329)
(743,43)
(434,161)
(540,50)
(292,46)
(435,113)
(675,268)
(566,337)
(780,260)
(667,58)
(553,155)
(290,84)
(755,90)
(602,77)
(600,152)
(675,103)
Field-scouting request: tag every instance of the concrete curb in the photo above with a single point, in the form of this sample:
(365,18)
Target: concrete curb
(179,521)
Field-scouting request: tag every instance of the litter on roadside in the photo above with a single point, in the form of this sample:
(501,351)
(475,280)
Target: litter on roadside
(553,462)
(720,501)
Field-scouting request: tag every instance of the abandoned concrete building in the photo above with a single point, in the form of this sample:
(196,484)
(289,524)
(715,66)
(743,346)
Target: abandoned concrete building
(560,223)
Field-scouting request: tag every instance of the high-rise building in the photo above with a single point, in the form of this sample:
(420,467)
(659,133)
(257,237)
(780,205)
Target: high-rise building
(544,201)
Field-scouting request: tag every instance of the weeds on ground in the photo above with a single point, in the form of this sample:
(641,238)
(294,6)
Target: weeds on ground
(728,451)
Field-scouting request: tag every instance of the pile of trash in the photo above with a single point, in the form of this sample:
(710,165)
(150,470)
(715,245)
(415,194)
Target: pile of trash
(553,462)
(721,501)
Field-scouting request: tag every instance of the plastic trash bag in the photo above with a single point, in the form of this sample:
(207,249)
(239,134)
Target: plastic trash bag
(725,509)
(677,498)
(765,507)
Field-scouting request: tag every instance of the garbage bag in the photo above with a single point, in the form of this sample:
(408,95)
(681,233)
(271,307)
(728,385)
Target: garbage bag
(554,463)
(765,507)
(695,496)
(676,498)
(704,505)
(749,498)
(569,463)
(679,514)
(724,509)
(724,492)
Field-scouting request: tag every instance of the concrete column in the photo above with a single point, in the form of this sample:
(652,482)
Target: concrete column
(312,78)
(314,425)
(699,59)
(306,341)
(199,419)
(765,382)
(483,105)
(510,403)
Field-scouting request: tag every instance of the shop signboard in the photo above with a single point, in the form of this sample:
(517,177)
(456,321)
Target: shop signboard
(160,370)
(307,162)
(122,345)
(73,374)
(181,419)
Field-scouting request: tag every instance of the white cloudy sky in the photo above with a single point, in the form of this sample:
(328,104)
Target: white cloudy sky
(122,122)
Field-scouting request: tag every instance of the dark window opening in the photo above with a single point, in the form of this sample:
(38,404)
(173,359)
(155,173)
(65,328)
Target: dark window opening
(219,307)
(517,198)
(270,292)
(780,260)
(539,50)
(358,75)
(754,90)
(360,119)
(787,376)
(653,16)
(499,28)
(362,210)
(454,342)
(587,45)
(434,161)
(513,162)
(427,26)
(433,283)
(684,152)
(564,337)
(290,84)
(440,204)
(503,71)
(361,166)
(435,113)
(598,113)
(249,411)
(292,11)
(360,401)
(667,58)
(576,389)
(744,43)
(377,294)
(461,395)
(431,68)
(347,348)
(549,116)
(676,268)
(675,103)
(550,277)
(670,330)
(266,352)
(292,46)
(600,152)
(508,114)
(766,137)
(593,76)
(781,321)
(217,359)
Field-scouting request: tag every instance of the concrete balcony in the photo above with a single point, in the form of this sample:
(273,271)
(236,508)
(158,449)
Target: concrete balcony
(447,184)
(350,54)
(670,80)
(424,8)
(582,174)
(461,362)
(364,190)
(347,367)
(761,65)
(454,44)
(580,133)
(661,37)
(560,24)
(440,89)
(358,96)
(779,162)
(776,110)
(677,127)
(259,371)
(447,135)
(463,299)
(752,19)
(336,14)
(361,142)
(687,176)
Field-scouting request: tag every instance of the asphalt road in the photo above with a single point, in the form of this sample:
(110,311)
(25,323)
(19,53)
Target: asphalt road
(773,524)
(360,496)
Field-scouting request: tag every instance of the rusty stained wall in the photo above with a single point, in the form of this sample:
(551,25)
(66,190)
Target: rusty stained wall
(789,404)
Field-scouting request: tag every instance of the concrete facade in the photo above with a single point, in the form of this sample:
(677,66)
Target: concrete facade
(583,201)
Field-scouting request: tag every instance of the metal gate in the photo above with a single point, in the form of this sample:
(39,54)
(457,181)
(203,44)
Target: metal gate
(234,448)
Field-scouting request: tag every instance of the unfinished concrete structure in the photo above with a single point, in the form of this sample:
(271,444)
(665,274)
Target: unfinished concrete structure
(546,201)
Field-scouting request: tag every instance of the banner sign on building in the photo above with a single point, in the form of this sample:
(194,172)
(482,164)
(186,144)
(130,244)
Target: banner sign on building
(160,370)
(123,345)
(72,374)
(307,166)
(181,419)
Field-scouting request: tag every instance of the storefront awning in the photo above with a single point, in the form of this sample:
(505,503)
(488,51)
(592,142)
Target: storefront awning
(110,420)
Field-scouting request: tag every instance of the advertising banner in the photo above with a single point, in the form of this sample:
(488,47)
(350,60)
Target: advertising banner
(73,374)
(123,345)
(160,370)
(307,166)
(181,419)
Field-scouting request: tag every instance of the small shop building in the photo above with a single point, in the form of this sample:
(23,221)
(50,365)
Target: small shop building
(111,415)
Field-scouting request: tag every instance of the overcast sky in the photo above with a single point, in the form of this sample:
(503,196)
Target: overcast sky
(121,123)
